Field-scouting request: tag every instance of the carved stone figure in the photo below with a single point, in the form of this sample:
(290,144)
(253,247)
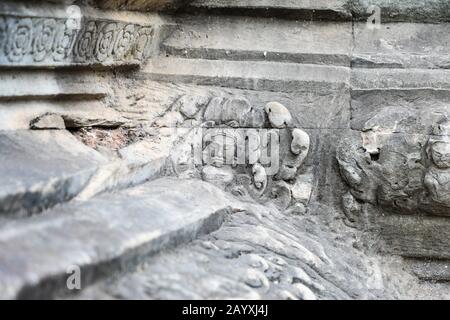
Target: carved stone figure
(300,142)
(437,177)
(291,161)
(409,174)
(233,112)
(279,115)
(259,177)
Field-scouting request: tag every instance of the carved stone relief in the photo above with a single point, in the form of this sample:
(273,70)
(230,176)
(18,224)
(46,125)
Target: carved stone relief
(241,150)
(45,41)
(405,173)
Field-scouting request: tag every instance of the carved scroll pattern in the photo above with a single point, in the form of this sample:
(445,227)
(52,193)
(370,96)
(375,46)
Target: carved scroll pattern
(48,41)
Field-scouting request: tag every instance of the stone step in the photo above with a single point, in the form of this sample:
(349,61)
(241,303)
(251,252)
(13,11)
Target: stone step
(47,167)
(252,75)
(238,38)
(42,168)
(402,45)
(105,235)
(294,9)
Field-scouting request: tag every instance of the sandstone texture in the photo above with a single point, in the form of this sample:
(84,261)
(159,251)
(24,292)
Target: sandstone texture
(210,149)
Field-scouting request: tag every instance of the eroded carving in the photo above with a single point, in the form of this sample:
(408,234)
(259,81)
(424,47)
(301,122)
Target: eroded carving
(410,174)
(234,112)
(51,41)
(239,154)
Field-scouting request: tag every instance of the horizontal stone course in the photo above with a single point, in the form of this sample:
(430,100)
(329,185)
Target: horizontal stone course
(258,75)
(239,38)
(402,45)
(291,9)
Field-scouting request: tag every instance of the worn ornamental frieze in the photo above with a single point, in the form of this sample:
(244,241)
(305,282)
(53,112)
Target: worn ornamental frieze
(53,42)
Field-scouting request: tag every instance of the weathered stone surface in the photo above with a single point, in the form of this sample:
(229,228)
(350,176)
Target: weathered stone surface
(407,10)
(254,75)
(48,121)
(415,236)
(402,45)
(41,169)
(51,85)
(139,162)
(18,115)
(239,38)
(57,35)
(384,79)
(398,172)
(315,227)
(98,236)
(401,111)
(294,9)
(273,256)
(434,270)
(151,5)
(149,100)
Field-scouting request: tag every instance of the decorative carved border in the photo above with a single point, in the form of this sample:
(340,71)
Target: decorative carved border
(52,42)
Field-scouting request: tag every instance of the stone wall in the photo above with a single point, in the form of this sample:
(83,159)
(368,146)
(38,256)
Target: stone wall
(129,91)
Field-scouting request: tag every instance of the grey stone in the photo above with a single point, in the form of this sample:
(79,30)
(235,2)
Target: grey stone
(150,5)
(28,85)
(42,168)
(415,236)
(431,270)
(401,111)
(77,114)
(58,37)
(97,236)
(402,45)
(431,11)
(279,115)
(398,171)
(48,121)
(254,75)
(321,108)
(293,9)
(257,254)
(238,38)
(218,176)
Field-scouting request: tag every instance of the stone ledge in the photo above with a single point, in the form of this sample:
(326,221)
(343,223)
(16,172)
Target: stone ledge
(253,75)
(106,234)
(243,38)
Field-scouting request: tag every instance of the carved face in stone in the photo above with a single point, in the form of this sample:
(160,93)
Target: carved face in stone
(440,153)
(300,142)
(259,176)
